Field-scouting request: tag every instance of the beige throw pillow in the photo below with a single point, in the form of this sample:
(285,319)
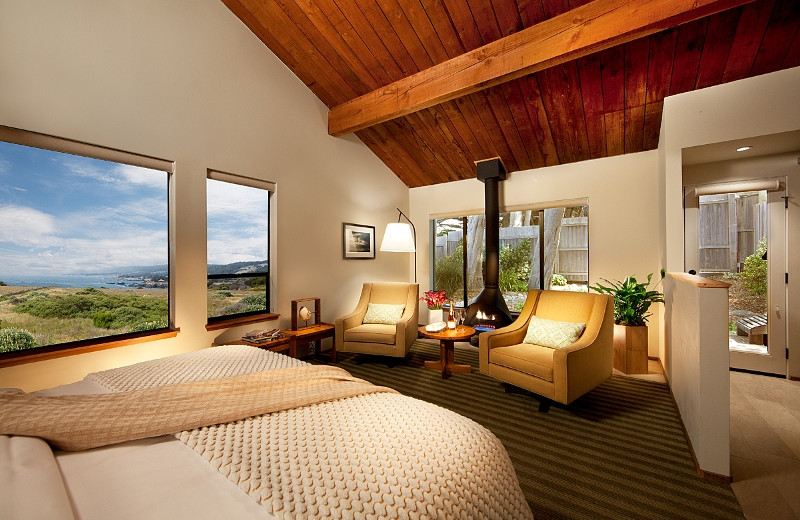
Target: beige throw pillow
(383,313)
(553,334)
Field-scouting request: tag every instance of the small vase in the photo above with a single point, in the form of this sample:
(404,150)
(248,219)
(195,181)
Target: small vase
(435,315)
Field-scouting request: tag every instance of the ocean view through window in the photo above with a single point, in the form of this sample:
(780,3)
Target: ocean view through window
(238,246)
(84,244)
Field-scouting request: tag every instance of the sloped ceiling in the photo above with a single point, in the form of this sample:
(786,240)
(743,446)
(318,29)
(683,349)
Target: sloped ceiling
(606,102)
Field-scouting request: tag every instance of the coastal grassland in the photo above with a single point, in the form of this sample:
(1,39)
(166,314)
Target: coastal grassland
(228,298)
(54,315)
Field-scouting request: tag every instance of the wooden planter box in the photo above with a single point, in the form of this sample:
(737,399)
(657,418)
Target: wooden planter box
(630,349)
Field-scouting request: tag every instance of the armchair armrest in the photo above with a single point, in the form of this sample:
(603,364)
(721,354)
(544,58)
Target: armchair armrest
(406,327)
(354,318)
(587,362)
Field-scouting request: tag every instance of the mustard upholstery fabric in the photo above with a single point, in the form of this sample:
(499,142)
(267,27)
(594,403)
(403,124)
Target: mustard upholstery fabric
(562,374)
(353,335)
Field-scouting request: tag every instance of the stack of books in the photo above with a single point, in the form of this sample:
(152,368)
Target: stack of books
(262,336)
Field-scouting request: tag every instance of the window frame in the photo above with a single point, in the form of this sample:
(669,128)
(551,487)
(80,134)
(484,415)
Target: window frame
(464,215)
(70,146)
(231,320)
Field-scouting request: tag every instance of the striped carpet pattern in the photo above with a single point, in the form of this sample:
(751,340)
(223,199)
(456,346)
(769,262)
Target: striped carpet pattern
(618,452)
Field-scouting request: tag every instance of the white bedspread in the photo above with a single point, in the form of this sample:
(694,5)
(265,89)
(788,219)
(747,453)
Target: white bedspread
(371,456)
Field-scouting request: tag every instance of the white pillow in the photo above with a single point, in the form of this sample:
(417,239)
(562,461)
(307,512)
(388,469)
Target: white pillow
(384,313)
(553,334)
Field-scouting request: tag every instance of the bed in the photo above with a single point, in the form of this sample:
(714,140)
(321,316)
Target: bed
(364,452)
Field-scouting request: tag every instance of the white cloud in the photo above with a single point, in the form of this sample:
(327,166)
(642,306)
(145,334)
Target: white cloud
(24,226)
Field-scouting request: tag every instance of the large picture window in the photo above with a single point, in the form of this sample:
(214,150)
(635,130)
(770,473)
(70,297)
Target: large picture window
(539,248)
(84,245)
(238,246)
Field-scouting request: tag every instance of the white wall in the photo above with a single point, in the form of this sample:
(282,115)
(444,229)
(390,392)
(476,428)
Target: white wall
(763,105)
(186,81)
(623,219)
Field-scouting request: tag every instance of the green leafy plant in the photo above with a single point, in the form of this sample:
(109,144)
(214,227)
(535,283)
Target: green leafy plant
(632,299)
(559,280)
(754,271)
(450,272)
(515,267)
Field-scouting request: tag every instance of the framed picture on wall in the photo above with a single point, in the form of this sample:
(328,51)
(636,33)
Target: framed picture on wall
(358,241)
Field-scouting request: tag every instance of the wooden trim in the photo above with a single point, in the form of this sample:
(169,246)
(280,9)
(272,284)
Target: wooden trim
(593,27)
(243,320)
(23,357)
(699,281)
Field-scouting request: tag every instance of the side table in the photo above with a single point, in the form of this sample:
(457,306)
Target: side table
(315,333)
(283,343)
(447,338)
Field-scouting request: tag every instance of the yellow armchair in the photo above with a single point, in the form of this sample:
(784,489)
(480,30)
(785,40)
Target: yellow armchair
(353,335)
(557,374)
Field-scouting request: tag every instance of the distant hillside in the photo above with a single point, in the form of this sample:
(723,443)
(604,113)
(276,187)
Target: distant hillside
(238,268)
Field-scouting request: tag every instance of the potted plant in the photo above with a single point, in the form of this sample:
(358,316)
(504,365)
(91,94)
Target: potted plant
(632,301)
(434,300)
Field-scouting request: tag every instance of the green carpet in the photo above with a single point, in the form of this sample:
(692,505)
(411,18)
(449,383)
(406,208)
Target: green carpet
(618,452)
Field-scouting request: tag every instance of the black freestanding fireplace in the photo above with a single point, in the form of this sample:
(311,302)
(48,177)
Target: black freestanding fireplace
(489,310)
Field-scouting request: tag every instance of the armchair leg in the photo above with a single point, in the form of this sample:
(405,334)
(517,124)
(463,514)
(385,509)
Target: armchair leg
(544,404)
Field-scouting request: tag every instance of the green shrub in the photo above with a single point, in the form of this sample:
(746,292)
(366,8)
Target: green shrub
(103,319)
(450,272)
(515,266)
(558,280)
(15,339)
(754,272)
(150,325)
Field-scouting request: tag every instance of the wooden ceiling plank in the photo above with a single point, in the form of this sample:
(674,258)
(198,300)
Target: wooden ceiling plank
(749,33)
(301,49)
(441,143)
(493,130)
(560,89)
(590,73)
(778,37)
(326,42)
(792,58)
(324,89)
(467,107)
(613,78)
(460,125)
(508,18)
(652,124)
(636,56)
(531,12)
(597,25)
(372,12)
(452,130)
(546,155)
(553,8)
(432,171)
(427,34)
(407,35)
(398,150)
(491,28)
(348,40)
(717,47)
(688,49)
(355,18)
(389,156)
(659,76)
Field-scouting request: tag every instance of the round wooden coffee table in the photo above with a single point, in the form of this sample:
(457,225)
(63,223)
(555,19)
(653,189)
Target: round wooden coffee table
(446,339)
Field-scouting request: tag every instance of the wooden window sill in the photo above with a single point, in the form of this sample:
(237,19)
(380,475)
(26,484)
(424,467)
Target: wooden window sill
(244,320)
(57,351)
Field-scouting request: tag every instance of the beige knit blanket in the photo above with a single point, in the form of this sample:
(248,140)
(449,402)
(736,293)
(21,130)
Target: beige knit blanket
(79,422)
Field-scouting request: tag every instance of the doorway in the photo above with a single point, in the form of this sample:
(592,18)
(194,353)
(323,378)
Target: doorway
(739,237)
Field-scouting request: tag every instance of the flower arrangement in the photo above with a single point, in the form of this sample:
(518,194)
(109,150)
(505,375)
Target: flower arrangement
(434,299)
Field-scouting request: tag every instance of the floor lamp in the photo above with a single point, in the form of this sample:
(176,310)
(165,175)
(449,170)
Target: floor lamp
(401,238)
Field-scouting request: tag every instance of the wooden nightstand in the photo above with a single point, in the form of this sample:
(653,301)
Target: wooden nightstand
(315,333)
(281,344)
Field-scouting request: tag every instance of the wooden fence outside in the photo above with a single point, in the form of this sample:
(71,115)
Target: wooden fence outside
(731,225)
(572,260)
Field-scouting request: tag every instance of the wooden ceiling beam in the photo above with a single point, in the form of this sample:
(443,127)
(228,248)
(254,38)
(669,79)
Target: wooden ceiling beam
(590,28)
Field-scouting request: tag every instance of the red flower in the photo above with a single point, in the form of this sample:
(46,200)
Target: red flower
(434,299)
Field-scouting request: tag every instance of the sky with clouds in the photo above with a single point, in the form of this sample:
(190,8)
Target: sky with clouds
(62,214)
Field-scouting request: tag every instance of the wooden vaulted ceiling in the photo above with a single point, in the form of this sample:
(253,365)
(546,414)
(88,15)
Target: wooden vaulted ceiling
(606,102)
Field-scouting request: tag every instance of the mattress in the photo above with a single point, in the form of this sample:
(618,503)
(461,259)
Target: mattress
(378,455)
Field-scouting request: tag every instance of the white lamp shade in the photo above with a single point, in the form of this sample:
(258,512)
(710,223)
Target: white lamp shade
(398,238)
